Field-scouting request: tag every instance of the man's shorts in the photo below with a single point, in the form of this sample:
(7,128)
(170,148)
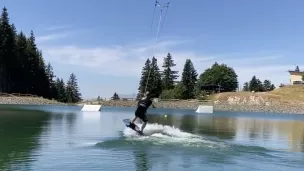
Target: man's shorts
(141,113)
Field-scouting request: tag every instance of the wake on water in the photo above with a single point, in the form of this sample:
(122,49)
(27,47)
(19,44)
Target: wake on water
(168,138)
(166,135)
(163,135)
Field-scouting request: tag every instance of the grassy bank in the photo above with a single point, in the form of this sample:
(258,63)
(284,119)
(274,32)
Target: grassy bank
(293,94)
(288,99)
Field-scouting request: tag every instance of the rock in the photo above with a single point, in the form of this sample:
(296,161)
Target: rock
(28,101)
(234,103)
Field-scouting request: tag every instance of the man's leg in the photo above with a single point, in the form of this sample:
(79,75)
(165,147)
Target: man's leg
(134,119)
(143,126)
(136,115)
(145,120)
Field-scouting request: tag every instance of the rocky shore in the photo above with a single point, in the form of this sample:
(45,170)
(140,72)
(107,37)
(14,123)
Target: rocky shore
(252,103)
(236,104)
(28,101)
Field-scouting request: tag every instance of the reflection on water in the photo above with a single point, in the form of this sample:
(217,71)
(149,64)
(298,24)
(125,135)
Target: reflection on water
(272,133)
(64,140)
(71,122)
(19,134)
(141,160)
(279,134)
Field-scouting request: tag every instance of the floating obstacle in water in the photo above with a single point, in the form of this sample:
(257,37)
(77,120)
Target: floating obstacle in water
(206,106)
(204,109)
(91,108)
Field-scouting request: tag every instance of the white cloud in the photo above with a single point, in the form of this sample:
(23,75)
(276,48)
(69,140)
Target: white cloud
(59,27)
(128,60)
(120,60)
(50,37)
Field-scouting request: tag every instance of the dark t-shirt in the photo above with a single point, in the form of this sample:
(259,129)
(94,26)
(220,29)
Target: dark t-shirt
(145,102)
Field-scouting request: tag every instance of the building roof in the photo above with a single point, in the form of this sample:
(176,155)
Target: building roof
(212,87)
(301,72)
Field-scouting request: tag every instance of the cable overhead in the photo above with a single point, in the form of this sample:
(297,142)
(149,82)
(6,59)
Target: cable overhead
(165,6)
(153,17)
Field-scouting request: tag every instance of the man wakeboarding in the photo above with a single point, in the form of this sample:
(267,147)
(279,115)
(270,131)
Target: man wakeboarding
(141,111)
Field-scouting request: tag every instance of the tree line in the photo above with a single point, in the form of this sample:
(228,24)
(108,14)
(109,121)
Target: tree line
(163,83)
(23,69)
(257,85)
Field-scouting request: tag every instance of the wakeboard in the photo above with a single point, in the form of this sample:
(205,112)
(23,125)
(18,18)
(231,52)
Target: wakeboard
(132,126)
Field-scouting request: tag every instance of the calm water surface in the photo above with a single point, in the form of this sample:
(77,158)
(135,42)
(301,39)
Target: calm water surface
(64,138)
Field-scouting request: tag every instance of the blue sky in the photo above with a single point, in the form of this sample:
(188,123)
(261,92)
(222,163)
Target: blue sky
(105,43)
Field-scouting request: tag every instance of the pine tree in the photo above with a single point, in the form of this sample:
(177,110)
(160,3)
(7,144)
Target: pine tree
(72,91)
(168,75)
(44,88)
(246,86)
(267,86)
(7,53)
(144,78)
(22,83)
(69,92)
(255,85)
(155,82)
(99,98)
(33,64)
(76,90)
(150,79)
(61,90)
(13,60)
(115,96)
(25,79)
(189,78)
(51,76)
(272,87)
(22,66)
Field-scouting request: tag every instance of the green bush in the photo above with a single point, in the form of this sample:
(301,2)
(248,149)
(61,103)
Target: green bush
(201,95)
(167,94)
(175,93)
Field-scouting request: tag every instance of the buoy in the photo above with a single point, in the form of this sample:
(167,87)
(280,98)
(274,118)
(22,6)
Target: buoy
(166,116)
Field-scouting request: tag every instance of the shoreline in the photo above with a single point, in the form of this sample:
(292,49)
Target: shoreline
(265,107)
(28,101)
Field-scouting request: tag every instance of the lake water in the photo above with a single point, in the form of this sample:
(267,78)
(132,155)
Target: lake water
(64,138)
